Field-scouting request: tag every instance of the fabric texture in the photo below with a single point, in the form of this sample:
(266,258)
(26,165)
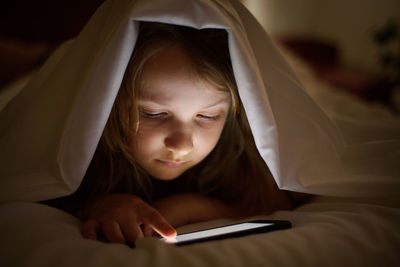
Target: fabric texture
(49,131)
(325,233)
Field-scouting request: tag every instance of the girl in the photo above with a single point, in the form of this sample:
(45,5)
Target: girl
(177,147)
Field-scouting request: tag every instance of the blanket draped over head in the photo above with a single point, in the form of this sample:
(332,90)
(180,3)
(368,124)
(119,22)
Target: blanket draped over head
(50,130)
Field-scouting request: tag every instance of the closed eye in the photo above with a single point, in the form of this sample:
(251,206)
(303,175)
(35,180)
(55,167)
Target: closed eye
(151,115)
(208,117)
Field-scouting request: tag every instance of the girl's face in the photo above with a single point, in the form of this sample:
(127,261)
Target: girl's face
(181,117)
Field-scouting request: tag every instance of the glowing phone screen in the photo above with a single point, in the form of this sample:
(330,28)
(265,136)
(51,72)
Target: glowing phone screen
(216,232)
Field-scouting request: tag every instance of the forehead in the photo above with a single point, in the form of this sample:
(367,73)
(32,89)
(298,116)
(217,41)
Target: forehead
(169,76)
(192,94)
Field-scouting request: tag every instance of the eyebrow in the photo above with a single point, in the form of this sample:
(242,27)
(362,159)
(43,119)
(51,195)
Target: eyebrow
(223,100)
(155,100)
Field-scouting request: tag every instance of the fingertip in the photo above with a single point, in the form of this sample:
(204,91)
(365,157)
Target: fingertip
(172,233)
(168,232)
(156,221)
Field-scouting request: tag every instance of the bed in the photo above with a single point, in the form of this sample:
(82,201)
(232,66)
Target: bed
(337,227)
(326,231)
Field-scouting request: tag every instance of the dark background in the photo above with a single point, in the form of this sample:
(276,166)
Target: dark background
(45,20)
(31,29)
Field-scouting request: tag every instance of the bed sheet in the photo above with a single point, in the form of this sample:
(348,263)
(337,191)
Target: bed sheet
(326,232)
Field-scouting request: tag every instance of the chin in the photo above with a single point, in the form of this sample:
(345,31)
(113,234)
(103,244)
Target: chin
(165,176)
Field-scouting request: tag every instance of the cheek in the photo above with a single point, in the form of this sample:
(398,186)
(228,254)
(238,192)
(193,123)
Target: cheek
(208,139)
(145,142)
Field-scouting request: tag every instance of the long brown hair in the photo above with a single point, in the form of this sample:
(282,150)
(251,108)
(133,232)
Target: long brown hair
(234,170)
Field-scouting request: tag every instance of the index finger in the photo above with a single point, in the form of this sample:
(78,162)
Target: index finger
(155,220)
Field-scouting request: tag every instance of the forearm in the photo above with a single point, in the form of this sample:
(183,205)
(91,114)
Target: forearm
(184,209)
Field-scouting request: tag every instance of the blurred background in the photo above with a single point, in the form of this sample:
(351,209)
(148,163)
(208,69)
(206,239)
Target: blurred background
(352,44)
(30,30)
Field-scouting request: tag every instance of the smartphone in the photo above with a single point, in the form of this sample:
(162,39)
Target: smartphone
(229,231)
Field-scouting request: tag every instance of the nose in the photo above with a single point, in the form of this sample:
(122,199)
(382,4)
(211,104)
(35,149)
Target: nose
(180,142)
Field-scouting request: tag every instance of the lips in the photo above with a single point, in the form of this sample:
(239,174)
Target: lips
(172,163)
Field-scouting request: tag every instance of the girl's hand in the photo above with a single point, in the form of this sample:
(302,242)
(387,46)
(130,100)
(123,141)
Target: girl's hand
(183,209)
(122,218)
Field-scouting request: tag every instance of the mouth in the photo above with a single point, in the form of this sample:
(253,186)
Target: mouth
(172,163)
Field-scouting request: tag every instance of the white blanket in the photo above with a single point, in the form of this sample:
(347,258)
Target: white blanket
(327,232)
